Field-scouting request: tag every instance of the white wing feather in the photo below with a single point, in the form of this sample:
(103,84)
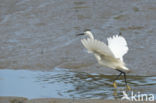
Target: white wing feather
(118,46)
(99,48)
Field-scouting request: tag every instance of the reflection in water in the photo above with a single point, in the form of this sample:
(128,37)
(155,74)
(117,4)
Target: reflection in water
(62,83)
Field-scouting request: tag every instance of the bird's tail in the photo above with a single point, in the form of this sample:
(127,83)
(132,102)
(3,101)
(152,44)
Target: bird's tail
(126,69)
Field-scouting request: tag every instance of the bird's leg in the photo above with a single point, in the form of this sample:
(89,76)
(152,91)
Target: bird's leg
(128,87)
(114,83)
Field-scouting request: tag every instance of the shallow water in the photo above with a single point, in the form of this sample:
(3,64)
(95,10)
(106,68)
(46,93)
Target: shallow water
(63,83)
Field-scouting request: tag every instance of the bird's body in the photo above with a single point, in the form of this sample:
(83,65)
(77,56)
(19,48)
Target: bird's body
(110,55)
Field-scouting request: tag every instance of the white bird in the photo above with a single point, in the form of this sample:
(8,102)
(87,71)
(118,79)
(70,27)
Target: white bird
(110,55)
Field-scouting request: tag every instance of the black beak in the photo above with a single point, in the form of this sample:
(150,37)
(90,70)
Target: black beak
(79,34)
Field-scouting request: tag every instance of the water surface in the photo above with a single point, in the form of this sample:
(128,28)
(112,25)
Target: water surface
(63,83)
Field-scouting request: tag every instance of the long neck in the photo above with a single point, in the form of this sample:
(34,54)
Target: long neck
(90,35)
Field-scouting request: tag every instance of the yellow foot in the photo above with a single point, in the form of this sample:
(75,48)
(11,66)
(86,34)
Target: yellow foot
(128,87)
(115,92)
(114,84)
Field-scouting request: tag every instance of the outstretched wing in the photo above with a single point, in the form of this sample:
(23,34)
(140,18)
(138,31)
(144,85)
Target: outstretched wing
(98,48)
(118,46)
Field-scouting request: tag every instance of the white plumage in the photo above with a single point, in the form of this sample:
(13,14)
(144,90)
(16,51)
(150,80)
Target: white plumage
(118,46)
(110,56)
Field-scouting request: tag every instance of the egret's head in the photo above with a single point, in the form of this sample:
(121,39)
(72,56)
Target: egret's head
(86,32)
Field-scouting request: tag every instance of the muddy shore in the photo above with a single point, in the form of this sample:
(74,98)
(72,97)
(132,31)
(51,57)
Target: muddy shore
(55,100)
(40,35)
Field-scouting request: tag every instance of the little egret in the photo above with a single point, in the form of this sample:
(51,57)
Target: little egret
(110,55)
